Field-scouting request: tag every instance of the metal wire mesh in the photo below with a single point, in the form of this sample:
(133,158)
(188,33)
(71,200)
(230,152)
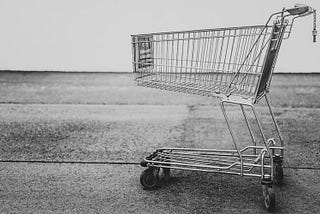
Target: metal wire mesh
(211,62)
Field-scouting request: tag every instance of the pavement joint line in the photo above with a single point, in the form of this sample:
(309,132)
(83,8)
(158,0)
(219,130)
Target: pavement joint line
(71,162)
(115,163)
(306,168)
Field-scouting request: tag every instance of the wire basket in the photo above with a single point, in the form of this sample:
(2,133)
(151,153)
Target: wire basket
(212,62)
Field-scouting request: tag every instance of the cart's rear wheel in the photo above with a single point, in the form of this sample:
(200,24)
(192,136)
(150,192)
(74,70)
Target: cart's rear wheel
(278,174)
(269,198)
(149,178)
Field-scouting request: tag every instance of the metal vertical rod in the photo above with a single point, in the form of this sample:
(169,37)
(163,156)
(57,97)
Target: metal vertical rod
(187,57)
(314,32)
(192,66)
(177,55)
(198,52)
(134,48)
(224,75)
(232,136)
(171,56)
(249,128)
(231,55)
(229,127)
(214,60)
(275,124)
(161,54)
(182,54)
(260,129)
(204,51)
(167,53)
(262,165)
(221,49)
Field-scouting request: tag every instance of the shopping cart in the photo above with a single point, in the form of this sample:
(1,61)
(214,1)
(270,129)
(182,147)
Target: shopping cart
(234,64)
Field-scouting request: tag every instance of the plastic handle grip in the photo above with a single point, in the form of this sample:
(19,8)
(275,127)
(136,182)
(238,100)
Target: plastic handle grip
(300,9)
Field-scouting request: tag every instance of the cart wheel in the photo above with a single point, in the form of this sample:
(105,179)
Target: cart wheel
(166,171)
(278,174)
(149,178)
(269,198)
(166,174)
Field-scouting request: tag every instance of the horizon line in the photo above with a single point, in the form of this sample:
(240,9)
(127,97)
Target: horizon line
(117,72)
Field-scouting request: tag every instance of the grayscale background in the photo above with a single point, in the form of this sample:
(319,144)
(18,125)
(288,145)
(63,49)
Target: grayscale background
(74,126)
(82,35)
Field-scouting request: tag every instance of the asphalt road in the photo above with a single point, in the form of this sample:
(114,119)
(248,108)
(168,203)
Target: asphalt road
(116,136)
(81,188)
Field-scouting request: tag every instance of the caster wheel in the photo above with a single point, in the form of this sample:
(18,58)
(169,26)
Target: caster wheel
(166,174)
(269,198)
(166,171)
(149,178)
(278,174)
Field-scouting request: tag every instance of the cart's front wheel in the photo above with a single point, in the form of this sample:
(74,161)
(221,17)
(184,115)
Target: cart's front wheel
(149,178)
(278,174)
(166,171)
(166,174)
(269,198)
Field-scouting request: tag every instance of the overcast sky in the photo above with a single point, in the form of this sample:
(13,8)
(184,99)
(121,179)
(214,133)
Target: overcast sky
(94,35)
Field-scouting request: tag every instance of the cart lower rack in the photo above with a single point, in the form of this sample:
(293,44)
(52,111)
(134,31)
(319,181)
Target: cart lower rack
(233,64)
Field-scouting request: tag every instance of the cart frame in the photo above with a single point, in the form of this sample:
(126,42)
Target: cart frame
(203,62)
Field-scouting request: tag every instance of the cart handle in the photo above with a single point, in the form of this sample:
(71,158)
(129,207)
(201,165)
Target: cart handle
(301,10)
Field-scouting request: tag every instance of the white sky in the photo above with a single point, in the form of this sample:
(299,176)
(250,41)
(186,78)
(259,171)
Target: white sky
(94,35)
